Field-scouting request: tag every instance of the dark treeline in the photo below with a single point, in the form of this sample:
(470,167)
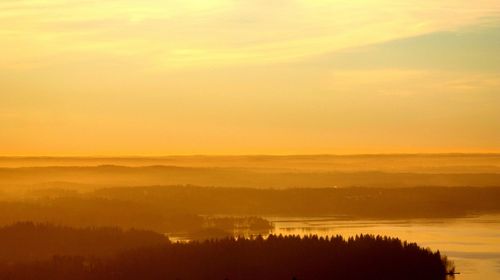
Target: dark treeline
(385,203)
(96,212)
(85,211)
(27,241)
(363,257)
(204,212)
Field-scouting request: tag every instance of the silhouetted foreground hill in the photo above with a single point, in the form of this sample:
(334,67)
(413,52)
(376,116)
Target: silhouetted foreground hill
(27,241)
(363,257)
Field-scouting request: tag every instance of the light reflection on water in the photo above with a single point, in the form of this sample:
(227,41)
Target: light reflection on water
(472,243)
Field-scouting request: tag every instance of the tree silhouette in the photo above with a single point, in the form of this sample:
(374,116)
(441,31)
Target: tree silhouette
(277,257)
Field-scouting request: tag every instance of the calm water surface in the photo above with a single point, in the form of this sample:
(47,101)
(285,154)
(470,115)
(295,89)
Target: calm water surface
(472,243)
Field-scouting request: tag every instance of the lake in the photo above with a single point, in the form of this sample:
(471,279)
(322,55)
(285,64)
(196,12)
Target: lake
(473,243)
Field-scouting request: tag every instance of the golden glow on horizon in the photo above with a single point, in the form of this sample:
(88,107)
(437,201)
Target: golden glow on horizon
(124,77)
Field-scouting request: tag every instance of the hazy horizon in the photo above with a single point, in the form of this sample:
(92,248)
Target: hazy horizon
(381,154)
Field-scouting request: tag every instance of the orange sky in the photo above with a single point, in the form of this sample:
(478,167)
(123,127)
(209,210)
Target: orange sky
(151,77)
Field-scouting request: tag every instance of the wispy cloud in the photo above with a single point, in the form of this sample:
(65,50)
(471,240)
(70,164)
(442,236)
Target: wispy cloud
(194,33)
(333,74)
(412,82)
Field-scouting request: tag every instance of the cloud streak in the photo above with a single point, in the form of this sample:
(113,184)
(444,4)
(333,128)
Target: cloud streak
(195,33)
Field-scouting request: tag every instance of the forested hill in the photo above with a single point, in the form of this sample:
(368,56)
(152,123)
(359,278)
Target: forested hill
(27,241)
(360,258)
(385,203)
